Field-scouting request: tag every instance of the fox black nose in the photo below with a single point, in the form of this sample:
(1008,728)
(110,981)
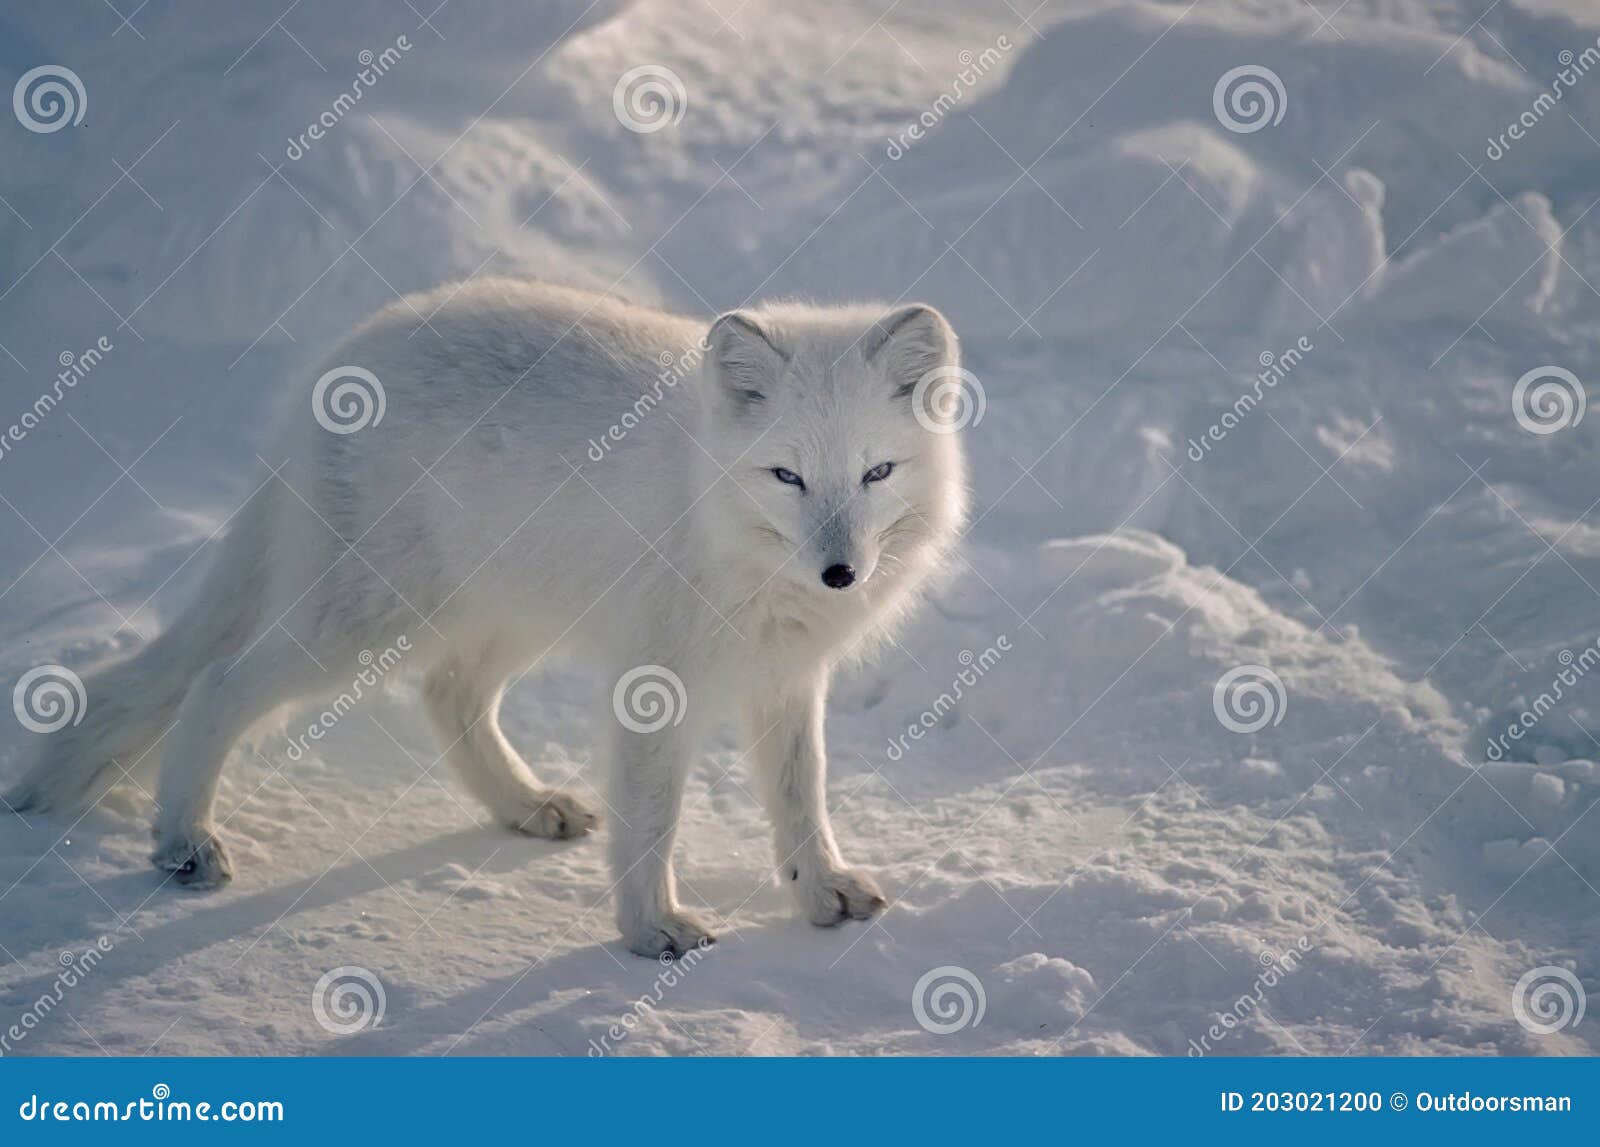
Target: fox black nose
(839,577)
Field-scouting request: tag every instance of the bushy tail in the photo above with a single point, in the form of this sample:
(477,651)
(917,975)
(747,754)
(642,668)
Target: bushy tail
(128,706)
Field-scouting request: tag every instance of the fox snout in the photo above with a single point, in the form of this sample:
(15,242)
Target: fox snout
(839,576)
(843,554)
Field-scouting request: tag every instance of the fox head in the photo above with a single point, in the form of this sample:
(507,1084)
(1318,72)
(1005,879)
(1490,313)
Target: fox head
(843,473)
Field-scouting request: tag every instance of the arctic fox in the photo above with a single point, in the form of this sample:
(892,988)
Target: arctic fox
(520,479)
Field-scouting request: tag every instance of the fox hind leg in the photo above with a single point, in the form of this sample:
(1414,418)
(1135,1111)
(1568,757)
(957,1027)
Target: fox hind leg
(224,700)
(462,700)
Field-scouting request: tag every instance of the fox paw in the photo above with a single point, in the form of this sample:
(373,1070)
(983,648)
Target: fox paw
(197,862)
(669,937)
(552,815)
(835,895)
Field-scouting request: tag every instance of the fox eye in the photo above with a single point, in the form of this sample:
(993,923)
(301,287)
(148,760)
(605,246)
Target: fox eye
(878,473)
(788,476)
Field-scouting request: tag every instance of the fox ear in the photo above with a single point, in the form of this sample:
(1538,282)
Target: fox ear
(745,356)
(910,342)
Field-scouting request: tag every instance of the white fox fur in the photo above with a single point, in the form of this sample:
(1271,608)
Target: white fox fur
(571,504)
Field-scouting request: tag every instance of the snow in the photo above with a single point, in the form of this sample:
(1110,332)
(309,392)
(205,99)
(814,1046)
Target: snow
(1081,834)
